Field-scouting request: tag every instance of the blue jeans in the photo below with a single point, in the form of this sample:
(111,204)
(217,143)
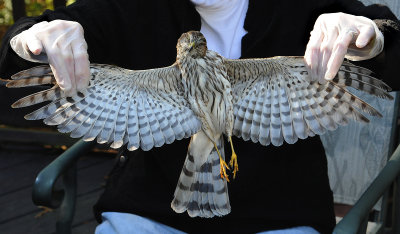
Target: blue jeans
(124,223)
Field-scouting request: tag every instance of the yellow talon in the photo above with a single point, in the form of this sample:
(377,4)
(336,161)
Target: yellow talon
(233,163)
(223,165)
(222,170)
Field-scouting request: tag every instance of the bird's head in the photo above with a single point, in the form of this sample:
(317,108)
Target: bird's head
(191,44)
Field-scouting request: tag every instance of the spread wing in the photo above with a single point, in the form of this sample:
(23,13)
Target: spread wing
(275,99)
(143,108)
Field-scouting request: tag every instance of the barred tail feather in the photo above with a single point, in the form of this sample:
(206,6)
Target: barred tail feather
(201,192)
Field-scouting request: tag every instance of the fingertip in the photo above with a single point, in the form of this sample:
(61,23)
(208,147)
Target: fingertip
(366,34)
(82,84)
(36,51)
(64,84)
(361,42)
(322,81)
(35,46)
(329,76)
(70,92)
(82,72)
(333,68)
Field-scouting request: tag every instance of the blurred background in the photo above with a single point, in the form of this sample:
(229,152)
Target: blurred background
(11,10)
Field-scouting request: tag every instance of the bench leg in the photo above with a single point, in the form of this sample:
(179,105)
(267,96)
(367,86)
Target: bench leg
(67,208)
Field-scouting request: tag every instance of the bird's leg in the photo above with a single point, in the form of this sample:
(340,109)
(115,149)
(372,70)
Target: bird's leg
(222,164)
(233,163)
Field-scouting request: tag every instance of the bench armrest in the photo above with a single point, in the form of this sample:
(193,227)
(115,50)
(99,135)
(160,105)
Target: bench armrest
(43,193)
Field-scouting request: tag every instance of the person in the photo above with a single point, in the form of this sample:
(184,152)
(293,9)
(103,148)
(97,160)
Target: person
(277,187)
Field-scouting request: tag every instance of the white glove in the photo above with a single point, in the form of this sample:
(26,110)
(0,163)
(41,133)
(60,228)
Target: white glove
(60,43)
(336,36)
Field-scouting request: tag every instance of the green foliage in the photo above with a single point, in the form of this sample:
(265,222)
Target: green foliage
(6,17)
(36,7)
(33,8)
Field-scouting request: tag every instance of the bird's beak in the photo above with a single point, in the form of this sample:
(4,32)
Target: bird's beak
(192,46)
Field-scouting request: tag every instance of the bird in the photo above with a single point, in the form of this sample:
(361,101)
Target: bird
(204,96)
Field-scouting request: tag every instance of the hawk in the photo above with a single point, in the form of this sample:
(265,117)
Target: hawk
(203,96)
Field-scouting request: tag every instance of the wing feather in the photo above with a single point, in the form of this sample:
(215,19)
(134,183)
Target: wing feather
(183,121)
(87,118)
(265,137)
(146,136)
(319,105)
(248,115)
(296,111)
(91,134)
(275,124)
(109,123)
(156,126)
(313,116)
(144,108)
(120,125)
(255,127)
(76,120)
(285,113)
(133,126)
(98,126)
(66,111)
(276,100)
(51,94)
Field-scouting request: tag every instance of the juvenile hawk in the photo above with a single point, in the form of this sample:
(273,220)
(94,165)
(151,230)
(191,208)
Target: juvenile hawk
(203,96)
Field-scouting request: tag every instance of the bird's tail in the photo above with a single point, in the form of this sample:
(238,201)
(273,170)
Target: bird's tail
(202,192)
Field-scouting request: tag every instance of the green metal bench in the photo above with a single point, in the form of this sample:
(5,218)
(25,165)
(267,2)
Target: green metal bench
(44,192)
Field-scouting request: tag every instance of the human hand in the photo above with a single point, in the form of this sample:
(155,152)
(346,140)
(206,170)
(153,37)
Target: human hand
(66,49)
(336,36)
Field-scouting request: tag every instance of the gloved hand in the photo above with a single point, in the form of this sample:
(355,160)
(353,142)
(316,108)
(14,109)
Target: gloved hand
(336,36)
(60,43)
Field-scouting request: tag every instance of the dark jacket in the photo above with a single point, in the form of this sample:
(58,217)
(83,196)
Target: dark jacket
(277,187)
